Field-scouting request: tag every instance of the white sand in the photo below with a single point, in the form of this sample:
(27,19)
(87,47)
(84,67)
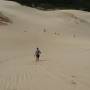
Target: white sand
(65,46)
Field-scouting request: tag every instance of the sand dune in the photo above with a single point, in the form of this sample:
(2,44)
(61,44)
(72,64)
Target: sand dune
(63,37)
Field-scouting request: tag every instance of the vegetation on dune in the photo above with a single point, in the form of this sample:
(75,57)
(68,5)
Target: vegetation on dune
(54,4)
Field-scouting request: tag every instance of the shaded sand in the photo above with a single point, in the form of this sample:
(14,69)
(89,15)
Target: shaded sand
(64,38)
(4,20)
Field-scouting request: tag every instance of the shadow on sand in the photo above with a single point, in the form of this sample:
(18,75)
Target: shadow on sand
(42,60)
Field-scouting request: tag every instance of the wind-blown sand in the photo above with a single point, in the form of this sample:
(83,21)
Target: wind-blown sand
(64,39)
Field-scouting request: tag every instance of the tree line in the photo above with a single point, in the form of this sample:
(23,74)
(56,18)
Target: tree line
(54,4)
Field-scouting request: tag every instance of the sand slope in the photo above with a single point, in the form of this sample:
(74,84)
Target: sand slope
(62,35)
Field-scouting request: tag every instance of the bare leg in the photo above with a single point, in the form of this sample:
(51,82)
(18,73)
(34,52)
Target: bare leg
(37,58)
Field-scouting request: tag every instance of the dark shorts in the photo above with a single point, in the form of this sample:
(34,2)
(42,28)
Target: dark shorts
(37,56)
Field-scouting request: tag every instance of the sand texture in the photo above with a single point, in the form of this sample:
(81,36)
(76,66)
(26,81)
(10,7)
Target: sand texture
(64,39)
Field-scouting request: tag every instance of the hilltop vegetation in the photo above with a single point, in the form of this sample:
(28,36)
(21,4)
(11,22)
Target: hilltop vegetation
(57,4)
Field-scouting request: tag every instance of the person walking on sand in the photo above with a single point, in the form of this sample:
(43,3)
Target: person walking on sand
(37,54)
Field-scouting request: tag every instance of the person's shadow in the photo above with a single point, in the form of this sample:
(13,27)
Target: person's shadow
(42,60)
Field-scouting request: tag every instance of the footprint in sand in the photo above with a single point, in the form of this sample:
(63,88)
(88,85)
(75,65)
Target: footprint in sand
(25,31)
(73,76)
(74,35)
(55,33)
(44,30)
(73,82)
